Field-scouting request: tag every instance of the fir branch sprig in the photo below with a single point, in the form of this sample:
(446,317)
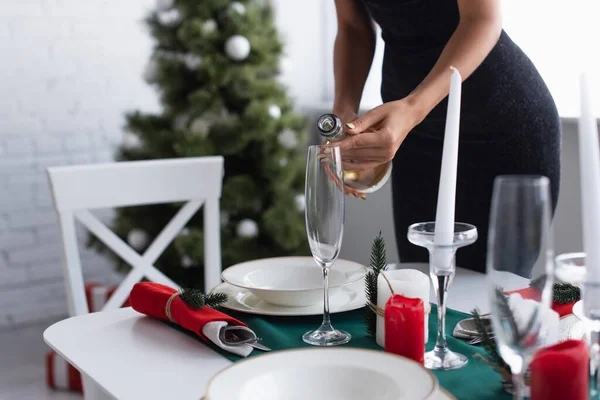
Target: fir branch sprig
(377,263)
(562,293)
(197,299)
(488,342)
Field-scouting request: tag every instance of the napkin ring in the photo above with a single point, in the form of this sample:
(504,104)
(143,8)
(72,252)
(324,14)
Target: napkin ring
(168,307)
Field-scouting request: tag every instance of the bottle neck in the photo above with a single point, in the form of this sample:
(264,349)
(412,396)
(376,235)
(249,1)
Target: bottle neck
(330,128)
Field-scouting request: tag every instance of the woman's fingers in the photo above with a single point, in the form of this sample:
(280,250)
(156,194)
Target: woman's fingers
(365,140)
(365,154)
(365,122)
(359,166)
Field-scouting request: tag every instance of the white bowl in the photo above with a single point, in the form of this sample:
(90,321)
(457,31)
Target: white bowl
(332,374)
(291,281)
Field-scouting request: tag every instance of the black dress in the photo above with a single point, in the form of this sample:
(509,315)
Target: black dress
(509,122)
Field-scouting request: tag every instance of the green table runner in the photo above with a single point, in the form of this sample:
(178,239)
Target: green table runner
(475,381)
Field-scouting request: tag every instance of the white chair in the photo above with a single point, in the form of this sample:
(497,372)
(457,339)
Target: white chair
(78,189)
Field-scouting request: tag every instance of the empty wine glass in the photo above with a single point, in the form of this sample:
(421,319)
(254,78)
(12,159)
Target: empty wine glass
(519,246)
(324,194)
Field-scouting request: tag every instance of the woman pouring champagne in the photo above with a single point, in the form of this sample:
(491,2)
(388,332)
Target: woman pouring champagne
(509,122)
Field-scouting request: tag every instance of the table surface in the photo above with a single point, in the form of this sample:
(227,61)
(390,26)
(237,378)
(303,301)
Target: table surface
(126,354)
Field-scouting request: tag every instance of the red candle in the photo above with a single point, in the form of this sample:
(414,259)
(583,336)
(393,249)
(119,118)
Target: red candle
(560,372)
(405,326)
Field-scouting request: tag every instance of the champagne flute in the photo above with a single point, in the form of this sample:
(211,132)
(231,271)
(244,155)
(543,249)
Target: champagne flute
(324,192)
(519,245)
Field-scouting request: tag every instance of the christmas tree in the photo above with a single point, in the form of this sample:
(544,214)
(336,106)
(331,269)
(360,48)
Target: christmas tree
(215,65)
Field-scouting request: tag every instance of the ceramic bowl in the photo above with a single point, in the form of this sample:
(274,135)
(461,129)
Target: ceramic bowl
(291,281)
(335,374)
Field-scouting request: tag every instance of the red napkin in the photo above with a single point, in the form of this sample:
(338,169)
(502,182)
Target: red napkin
(151,299)
(534,294)
(560,372)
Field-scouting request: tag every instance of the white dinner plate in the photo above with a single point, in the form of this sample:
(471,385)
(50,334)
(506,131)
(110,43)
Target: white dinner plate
(442,394)
(346,299)
(578,311)
(291,281)
(333,374)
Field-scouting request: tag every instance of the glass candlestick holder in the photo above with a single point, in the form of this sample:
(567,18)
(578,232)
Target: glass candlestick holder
(441,270)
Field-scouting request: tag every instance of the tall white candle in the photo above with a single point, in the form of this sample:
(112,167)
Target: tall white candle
(444,217)
(589,165)
(407,282)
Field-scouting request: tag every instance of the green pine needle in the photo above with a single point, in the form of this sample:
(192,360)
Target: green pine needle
(196,299)
(562,293)
(488,343)
(378,263)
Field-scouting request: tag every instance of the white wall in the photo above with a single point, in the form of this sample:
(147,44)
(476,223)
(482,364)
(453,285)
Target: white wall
(70,69)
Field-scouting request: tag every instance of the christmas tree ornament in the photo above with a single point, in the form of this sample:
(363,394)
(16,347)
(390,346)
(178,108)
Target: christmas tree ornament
(181,122)
(283,162)
(131,141)
(200,127)
(138,239)
(274,111)
(224,217)
(184,232)
(170,17)
(209,26)
(236,8)
(186,262)
(164,5)
(151,70)
(285,65)
(237,48)
(287,139)
(247,229)
(300,201)
(192,61)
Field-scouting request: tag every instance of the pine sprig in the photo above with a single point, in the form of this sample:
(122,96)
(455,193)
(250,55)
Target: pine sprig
(488,342)
(562,293)
(197,299)
(378,263)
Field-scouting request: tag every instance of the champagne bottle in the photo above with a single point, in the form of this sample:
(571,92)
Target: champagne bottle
(364,182)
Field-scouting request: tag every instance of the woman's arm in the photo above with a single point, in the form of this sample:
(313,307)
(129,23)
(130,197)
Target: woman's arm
(353,54)
(385,127)
(477,32)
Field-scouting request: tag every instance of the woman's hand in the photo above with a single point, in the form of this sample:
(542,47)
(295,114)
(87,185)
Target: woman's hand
(377,135)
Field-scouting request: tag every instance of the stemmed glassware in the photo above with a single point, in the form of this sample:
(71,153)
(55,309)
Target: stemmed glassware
(519,247)
(324,194)
(441,271)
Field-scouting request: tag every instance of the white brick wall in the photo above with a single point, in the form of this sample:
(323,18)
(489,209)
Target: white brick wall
(69,71)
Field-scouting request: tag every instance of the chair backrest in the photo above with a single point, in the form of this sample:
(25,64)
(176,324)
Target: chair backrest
(78,189)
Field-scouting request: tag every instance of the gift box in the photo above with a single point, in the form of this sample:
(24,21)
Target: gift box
(60,375)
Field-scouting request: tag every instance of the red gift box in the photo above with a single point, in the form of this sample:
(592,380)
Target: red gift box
(61,375)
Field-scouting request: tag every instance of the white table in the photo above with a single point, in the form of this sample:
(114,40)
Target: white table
(128,356)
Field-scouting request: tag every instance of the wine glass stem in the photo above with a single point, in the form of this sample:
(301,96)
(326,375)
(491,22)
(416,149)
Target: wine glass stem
(440,284)
(518,384)
(326,319)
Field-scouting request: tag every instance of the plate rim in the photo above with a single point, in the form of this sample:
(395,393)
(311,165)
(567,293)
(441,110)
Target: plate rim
(224,278)
(293,310)
(436,384)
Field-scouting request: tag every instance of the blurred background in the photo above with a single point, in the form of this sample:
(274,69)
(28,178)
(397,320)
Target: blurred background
(73,69)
